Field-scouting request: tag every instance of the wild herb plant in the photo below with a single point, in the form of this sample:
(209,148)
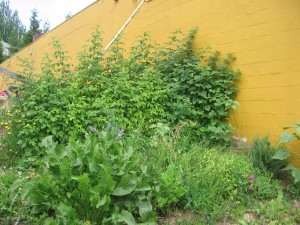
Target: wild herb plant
(97,180)
(261,154)
(211,183)
(284,154)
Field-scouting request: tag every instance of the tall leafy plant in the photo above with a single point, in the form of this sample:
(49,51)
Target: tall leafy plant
(283,154)
(172,83)
(202,86)
(97,181)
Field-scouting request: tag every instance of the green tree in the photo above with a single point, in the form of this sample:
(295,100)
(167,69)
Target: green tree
(2,58)
(34,27)
(12,29)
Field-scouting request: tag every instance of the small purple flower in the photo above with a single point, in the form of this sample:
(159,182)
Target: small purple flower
(91,128)
(251,177)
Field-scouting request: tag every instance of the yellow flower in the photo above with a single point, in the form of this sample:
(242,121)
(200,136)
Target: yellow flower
(6,127)
(8,132)
(193,123)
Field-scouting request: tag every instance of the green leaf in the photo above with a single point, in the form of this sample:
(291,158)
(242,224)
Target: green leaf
(66,212)
(128,218)
(50,221)
(145,209)
(106,183)
(281,154)
(126,186)
(286,138)
(143,186)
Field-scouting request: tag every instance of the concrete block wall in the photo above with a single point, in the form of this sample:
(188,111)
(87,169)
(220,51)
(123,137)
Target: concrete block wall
(264,35)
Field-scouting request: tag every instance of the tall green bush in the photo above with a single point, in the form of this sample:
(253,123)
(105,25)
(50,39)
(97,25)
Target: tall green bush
(202,86)
(171,83)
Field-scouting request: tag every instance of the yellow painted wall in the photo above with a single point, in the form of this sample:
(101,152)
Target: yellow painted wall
(264,35)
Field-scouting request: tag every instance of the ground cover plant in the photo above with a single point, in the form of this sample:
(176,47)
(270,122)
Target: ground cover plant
(108,179)
(130,138)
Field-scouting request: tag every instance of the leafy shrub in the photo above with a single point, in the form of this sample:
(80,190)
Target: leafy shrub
(201,87)
(173,83)
(261,155)
(97,180)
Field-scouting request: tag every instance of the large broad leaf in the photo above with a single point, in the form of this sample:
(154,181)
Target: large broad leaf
(84,183)
(128,218)
(48,143)
(65,214)
(281,154)
(145,210)
(98,201)
(126,186)
(295,172)
(107,183)
(286,137)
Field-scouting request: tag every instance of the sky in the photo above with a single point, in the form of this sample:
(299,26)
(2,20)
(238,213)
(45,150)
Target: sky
(52,10)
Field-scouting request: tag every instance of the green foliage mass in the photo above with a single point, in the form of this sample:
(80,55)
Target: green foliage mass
(201,86)
(265,156)
(261,154)
(2,56)
(98,180)
(35,28)
(171,83)
(107,178)
(161,106)
(12,30)
(283,154)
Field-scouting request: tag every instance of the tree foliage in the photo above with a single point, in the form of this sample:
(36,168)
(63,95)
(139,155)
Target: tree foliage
(34,28)
(2,57)
(12,29)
